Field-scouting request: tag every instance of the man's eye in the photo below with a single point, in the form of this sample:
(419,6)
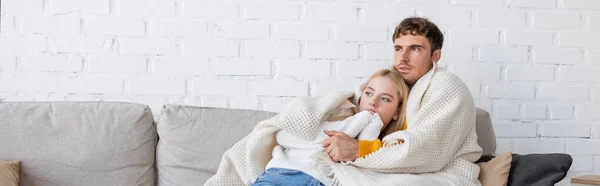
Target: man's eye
(416,49)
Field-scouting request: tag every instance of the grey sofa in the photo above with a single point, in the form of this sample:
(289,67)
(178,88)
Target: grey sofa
(109,143)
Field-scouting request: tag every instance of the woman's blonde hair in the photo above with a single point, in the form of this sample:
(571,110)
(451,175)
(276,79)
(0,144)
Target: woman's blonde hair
(394,125)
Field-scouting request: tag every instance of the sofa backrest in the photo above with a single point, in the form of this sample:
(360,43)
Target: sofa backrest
(79,143)
(193,139)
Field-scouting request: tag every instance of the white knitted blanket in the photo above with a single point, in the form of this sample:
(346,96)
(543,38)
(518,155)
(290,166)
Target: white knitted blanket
(439,148)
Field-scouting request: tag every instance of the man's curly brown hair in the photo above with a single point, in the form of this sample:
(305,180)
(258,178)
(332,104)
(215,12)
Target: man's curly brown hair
(420,26)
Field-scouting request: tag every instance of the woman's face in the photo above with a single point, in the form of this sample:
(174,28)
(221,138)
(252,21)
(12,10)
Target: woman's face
(380,96)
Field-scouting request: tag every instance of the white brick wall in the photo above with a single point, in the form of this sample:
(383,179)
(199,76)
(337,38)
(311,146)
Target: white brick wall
(534,64)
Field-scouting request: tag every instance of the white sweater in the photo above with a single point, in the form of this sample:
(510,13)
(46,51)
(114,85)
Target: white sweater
(295,153)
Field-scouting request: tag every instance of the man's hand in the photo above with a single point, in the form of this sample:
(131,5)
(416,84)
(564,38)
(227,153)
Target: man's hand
(340,146)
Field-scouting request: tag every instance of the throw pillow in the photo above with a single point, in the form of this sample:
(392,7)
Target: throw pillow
(538,169)
(495,172)
(9,173)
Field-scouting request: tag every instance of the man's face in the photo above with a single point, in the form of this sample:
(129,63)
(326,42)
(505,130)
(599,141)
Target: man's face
(412,57)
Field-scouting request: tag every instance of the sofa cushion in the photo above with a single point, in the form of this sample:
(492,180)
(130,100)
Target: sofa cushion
(495,172)
(539,169)
(9,173)
(193,139)
(486,138)
(79,143)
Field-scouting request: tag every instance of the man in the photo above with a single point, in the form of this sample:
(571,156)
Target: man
(440,113)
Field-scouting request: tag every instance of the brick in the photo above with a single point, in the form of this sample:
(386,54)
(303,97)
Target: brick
(330,12)
(538,146)
(181,67)
(146,8)
(8,23)
(57,24)
(596,131)
(557,20)
(12,44)
(23,7)
(148,86)
(529,38)
(380,51)
(94,7)
(504,54)
(361,33)
(180,28)
(597,163)
(541,4)
(387,15)
(118,64)
(514,91)
(562,112)
(596,95)
(581,74)
(582,163)
(594,57)
(242,67)
(582,4)
(583,147)
(359,68)
(344,84)
(274,104)
(305,68)
(331,50)
(594,20)
(243,30)
(503,146)
(589,111)
(457,53)
(580,39)
(94,85)
(483,3)
(481,71)
(7,63)
(108,25)
(278,88)
(220,87)
(556,56)
(530,73)
(80,44)
(515,130)
(243,102)
(507,111)
(263,48)
(535,112)
(147,45)
(38,83)
(504,18)
(562,92)
(474,37)
(214,101)
(567,130)
(218,11)
(461,16)
(307,32)
(272,12)
(52,63)
(211,47)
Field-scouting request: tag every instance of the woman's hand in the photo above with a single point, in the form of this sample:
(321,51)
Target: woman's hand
(340,146)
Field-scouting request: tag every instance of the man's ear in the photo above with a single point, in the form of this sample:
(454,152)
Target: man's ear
(437,54)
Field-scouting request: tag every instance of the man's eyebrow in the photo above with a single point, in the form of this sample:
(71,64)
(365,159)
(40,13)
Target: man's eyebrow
(410,46)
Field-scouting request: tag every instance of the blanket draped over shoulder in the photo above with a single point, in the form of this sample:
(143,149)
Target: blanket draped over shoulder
(438,148)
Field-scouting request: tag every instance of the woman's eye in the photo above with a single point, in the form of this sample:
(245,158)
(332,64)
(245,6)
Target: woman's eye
(386,99)
(368,93)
